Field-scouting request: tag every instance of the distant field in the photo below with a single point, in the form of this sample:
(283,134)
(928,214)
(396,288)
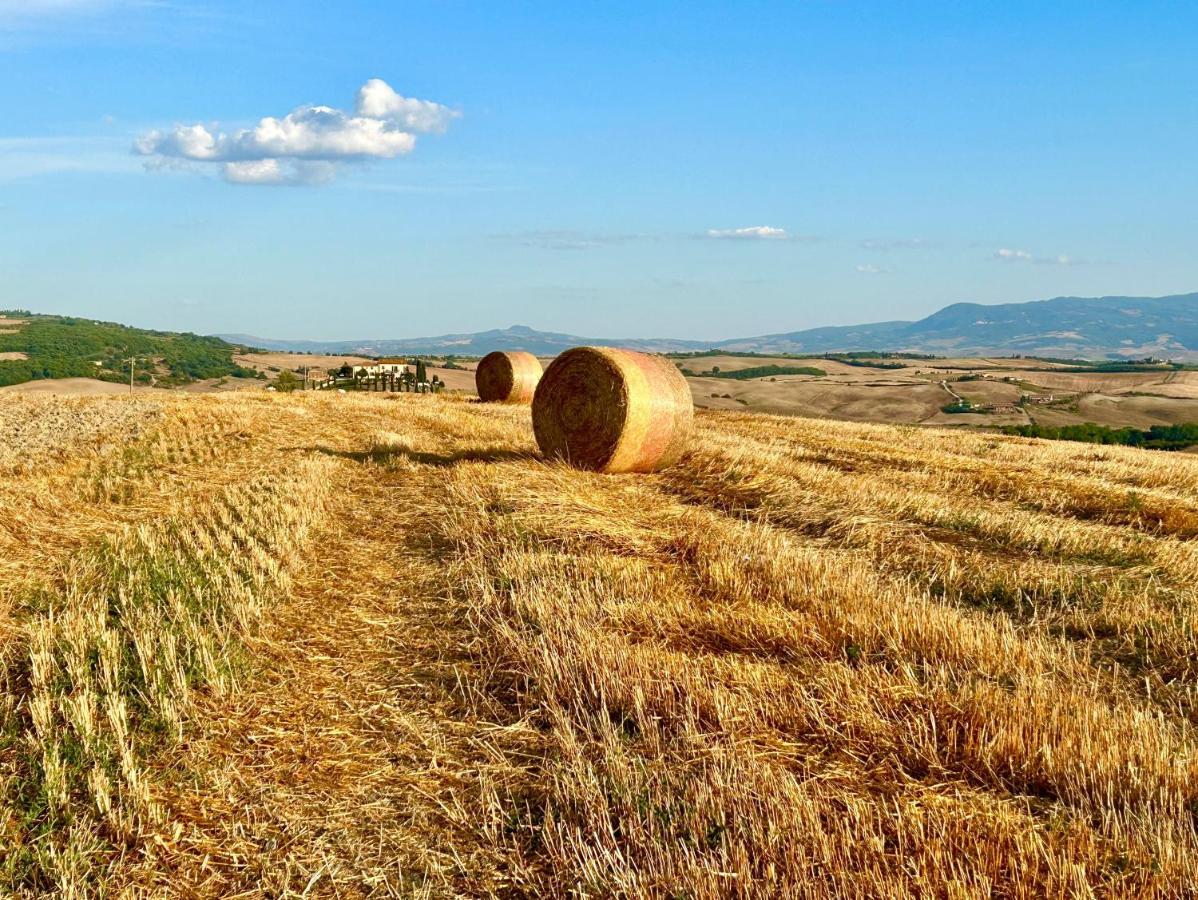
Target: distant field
(12,355)
(93,387)
(908,395)
(1118,410)
(71,387)
(263,362)
(735,363)
(912,395)
(353,645)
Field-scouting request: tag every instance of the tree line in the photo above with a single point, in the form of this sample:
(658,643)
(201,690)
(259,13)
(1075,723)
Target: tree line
(1157,437)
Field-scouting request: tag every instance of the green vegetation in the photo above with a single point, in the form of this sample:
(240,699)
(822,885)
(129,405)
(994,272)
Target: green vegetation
(876,359)
(758,372)
(879,354)
(960,406)
(288,382)
(66,347)
(1148,364)
(851,358)
(1157,437)
(739,354)
(866,364)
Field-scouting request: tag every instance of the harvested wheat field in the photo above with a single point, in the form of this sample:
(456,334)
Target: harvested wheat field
(264,645)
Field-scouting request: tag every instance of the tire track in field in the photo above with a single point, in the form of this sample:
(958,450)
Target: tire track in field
(348,763)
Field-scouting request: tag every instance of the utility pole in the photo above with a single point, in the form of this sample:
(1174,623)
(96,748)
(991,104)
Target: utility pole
(131,361)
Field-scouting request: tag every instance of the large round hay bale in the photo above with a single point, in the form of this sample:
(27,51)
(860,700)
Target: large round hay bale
(611,410)
(507,377)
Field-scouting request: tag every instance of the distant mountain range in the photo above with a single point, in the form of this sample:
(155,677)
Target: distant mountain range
(518,337)
(1114,327)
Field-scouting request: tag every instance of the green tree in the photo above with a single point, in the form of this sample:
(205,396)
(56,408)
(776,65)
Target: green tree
(287,382)
(421,372)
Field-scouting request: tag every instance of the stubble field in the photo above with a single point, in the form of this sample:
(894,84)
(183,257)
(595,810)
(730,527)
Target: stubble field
(339,645)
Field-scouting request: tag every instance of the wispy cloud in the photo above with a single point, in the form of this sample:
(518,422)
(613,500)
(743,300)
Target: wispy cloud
(570,240)
(306,145)
(29,157)
(21,14)
(871,269)
(897,244)
(751,233)
(1010,255)
(30,9)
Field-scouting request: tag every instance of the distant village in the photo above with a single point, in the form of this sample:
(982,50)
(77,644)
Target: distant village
(384,375)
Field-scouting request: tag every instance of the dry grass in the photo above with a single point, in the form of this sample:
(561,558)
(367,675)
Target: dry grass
(367,646)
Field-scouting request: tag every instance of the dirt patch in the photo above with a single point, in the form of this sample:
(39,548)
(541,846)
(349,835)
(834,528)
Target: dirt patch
(804,395)
(13,356)
(72,387)
(264,362)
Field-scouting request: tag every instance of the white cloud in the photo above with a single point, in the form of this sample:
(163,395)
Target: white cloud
(752,233)
(871,269)
(304,146)
(378,100)
(1005,254)
(272,171)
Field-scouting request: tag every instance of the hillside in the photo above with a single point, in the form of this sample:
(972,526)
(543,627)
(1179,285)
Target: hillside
(36,347)
(352,645)
(1066,326)
(1073,327)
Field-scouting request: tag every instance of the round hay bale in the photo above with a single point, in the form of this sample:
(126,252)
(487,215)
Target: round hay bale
(611,410)
(507,377)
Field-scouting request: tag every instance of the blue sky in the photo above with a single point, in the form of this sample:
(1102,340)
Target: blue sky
(699,170)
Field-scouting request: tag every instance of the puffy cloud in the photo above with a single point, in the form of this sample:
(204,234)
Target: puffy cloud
(256,171)
(752,233)
(304,146)
(272,171)
(378,100)
(182,142)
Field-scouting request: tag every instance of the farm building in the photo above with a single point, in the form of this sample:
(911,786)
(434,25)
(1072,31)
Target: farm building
(386,367)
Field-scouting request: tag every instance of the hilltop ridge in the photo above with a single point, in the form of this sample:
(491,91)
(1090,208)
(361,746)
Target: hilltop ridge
(1101,327)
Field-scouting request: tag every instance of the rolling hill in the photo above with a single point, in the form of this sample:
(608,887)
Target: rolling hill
(34,347)
(1065,326)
